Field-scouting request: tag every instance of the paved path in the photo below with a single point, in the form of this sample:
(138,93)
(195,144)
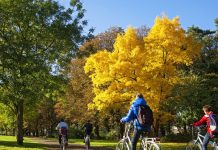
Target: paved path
(51,145)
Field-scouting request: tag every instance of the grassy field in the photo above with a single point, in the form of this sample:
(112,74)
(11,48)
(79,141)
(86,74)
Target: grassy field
(9,143)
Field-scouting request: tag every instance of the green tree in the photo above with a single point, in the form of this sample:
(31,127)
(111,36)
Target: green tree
(200,82)
(37,41)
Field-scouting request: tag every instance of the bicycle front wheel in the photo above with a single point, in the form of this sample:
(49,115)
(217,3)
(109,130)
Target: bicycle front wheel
(122,145)
(193,146)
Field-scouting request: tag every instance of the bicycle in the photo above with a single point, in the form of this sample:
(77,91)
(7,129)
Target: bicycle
(87,141)
(63,144)
(149,144)
(196,144)
(125,142)
(146,143)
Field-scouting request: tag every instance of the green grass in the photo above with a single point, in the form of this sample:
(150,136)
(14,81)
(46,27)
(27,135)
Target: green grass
(112,144)
(9,143)
(173,146)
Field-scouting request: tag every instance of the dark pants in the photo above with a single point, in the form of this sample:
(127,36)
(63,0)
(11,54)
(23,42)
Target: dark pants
(206,141)
(136,136)
(60,138)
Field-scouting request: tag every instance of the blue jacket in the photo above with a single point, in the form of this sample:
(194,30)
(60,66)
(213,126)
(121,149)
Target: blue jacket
(132,114)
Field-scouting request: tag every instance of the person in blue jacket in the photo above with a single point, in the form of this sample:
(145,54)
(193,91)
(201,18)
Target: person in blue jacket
(132,115)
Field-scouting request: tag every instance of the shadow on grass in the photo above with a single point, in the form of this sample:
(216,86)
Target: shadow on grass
(25,145)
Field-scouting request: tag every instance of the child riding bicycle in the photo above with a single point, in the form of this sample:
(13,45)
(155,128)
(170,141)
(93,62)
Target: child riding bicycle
(205,120)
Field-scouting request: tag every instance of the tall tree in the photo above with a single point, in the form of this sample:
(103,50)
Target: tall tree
(149,66)
(79,91)
(199,85)
(37,40)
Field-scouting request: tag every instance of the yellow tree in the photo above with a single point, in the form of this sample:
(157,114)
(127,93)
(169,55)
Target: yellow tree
(114,74)
(166,47)
(149,66)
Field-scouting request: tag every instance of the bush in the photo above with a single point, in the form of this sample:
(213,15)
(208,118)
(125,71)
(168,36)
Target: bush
(180,137)
(113,134)
(76,132)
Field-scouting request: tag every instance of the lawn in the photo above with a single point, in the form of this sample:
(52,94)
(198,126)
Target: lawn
(112,144)
(9,142)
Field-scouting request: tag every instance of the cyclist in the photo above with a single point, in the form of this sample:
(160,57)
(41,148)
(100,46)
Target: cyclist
(88,128)
(206,121)
(62,127)
(132,115)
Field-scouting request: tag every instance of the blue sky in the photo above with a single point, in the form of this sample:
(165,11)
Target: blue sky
(103,14)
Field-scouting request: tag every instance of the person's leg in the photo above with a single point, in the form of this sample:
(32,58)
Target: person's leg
(67,137)
(135,138)
(205,141)
(59,139)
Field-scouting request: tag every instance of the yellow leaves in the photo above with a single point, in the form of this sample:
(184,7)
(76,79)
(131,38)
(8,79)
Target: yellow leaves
(147,65)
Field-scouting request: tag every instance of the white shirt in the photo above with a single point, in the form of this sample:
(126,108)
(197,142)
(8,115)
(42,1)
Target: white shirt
(62,125)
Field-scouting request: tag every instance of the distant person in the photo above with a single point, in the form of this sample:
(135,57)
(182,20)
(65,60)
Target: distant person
(139,106)
(88,128)
(62,128)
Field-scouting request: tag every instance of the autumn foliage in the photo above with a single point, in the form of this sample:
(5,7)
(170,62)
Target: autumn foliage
(148,66)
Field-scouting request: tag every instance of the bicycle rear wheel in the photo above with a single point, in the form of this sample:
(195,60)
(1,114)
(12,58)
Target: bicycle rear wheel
(87,142)
(154,146)
(193,146)
(122,145)
(144,145)
(63,145)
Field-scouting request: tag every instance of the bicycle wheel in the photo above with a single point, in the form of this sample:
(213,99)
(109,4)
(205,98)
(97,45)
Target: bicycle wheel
(154,146)
(87,142)
(193,146)
(122,145)
(144,145)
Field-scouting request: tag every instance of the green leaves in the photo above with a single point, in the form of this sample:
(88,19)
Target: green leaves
(34,37)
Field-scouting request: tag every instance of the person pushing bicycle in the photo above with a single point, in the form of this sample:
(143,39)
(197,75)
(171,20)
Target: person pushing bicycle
(206,120)
(133,114)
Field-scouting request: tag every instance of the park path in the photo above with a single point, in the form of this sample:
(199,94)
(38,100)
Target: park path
(51,145)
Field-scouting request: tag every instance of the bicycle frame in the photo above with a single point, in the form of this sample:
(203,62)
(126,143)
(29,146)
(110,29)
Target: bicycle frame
(63,142)
(148,142)
(200,138)
(126,135)
(125,142)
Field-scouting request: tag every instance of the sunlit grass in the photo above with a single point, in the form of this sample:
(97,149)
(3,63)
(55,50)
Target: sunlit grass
(9,143)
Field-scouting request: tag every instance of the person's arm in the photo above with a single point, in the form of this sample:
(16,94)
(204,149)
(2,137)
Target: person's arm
(67,126)
(202,121)
(58,126)
(129,117)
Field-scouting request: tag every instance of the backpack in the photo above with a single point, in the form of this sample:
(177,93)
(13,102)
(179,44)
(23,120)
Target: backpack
(213,122)
(145,116)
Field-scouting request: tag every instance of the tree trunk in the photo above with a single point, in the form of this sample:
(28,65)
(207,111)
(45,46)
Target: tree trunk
(156,126)
(20,123)
(96,130)
(121,129)
(162,130)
